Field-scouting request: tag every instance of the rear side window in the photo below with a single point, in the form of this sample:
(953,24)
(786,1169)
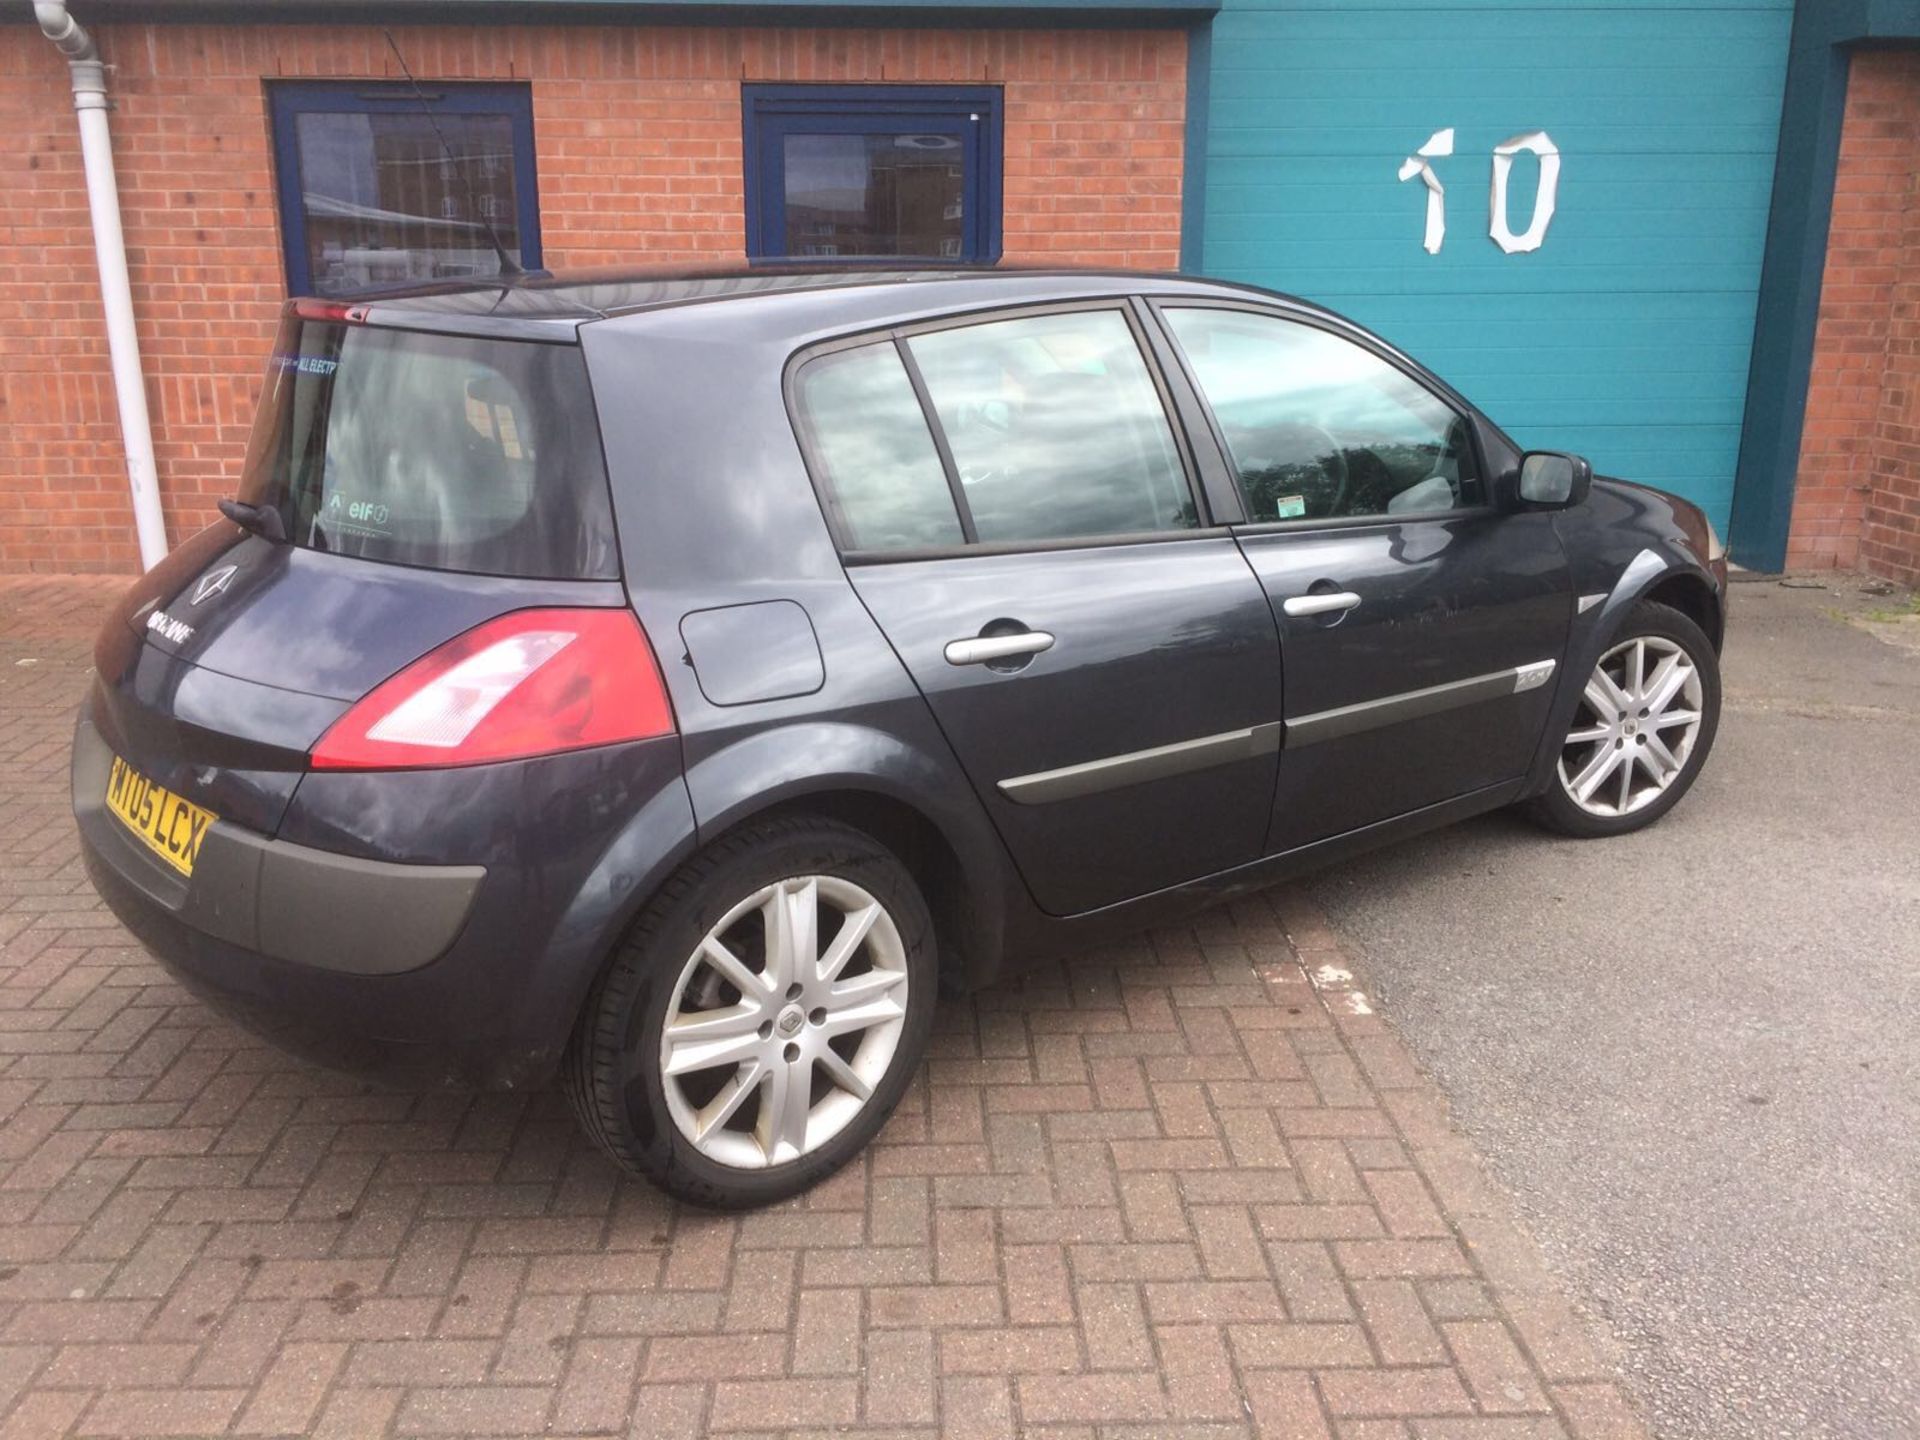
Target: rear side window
(871,440)
(1037,428)
(1056,428)
(444,452)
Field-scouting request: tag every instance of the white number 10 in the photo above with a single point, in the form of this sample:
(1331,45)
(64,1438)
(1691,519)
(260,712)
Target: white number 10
(1440,144)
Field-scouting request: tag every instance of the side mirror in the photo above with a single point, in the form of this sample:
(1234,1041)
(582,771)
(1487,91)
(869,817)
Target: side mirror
(1553,479)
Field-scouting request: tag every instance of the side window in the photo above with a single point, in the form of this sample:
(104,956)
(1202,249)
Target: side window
(1318,427)
(849,172)
(381,185)
(870,441)
(1055,428)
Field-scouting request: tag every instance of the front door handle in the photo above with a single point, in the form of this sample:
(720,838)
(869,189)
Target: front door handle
(1320,604)
(985,649)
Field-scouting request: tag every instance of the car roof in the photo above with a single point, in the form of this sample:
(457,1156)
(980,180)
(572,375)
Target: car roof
(543,305)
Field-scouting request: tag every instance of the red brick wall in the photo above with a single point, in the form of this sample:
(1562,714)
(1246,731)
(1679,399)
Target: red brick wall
(638,138)
(1857,496)
(1890,522)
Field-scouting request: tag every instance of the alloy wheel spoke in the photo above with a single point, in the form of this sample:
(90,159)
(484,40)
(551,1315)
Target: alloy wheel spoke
(782,1124)
(684,1057)
(862,988)
(1626,786)
(1588,736)
(843,1074)
(731,968)
(853,933)
(1637,669)
(1667,683)
(862,1017)
(1673,717)
(717,1111)
(792,915)
(1595,772)
(704,1025)
(1660,761)
(1605,697)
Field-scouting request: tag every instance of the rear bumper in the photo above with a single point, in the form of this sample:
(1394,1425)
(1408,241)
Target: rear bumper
(450,975)
(284,902)
(304,1010)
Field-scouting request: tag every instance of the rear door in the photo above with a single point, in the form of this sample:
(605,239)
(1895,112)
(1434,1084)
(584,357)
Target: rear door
(1419,621)
(1017,514)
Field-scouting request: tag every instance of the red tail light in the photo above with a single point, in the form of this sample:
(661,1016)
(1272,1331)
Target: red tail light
(535,682)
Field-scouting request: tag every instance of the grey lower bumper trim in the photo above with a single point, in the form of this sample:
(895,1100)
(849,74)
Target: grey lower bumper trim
(1071,781)
(366,917)
(292,902)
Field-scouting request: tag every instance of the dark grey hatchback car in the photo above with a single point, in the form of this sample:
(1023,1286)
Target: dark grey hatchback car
(674,681)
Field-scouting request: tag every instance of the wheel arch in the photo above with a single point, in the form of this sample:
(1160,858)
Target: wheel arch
(899,786)
(918,843)
(1650,575)
(1693,596)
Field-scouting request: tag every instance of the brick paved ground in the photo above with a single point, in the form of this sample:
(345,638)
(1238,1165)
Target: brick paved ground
(1185,1186)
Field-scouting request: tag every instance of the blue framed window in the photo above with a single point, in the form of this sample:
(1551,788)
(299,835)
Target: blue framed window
(372,195)
(863,172)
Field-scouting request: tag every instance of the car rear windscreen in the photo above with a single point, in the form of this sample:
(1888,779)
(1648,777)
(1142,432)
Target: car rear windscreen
(443,451)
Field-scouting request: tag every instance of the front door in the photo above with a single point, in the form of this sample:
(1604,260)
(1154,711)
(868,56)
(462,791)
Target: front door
(1419,624)
(1018,518)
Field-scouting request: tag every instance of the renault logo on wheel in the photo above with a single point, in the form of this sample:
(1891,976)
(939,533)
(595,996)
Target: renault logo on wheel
(213,582)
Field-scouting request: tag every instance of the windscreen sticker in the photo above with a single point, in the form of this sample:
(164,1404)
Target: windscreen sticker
(1289,507)
(306,364)
(366,518)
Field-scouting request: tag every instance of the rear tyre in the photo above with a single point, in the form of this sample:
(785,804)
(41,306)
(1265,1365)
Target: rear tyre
(762,1017)
(1641,733)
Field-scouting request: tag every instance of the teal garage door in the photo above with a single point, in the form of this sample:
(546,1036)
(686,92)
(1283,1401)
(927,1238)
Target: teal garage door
(1625,335)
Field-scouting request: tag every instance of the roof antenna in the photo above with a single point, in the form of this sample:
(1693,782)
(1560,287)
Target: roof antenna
(508,265)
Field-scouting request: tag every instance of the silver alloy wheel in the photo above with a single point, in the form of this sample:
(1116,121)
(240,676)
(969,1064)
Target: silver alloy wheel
(1634,729)
(784,1021)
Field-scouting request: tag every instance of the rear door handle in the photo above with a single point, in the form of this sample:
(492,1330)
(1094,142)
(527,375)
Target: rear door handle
(1320,604)
(981,649)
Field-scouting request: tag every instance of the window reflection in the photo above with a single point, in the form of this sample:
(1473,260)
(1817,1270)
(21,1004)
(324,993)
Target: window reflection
(871,440)
(1320,428)
(1055,427)
(860,195)
(386,203)
(448,452)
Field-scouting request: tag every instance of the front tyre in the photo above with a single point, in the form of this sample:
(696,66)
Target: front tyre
(1641,732)
(762,1018)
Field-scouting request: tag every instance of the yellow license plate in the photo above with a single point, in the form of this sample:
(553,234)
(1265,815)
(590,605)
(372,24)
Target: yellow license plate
(170,827)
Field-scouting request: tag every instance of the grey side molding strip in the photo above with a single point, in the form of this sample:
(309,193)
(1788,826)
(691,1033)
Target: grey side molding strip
(1414,704)
(1072,781)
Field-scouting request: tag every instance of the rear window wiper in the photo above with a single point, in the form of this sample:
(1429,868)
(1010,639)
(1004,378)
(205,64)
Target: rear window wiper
(262,520)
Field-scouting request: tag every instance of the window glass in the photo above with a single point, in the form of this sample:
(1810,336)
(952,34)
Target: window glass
(853,172)
(870,440)
(864,195)
(1056,428)
(440,451)
(1320,428)
(379,187)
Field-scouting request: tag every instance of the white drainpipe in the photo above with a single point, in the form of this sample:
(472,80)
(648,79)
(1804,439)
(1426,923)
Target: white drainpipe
(110,249)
